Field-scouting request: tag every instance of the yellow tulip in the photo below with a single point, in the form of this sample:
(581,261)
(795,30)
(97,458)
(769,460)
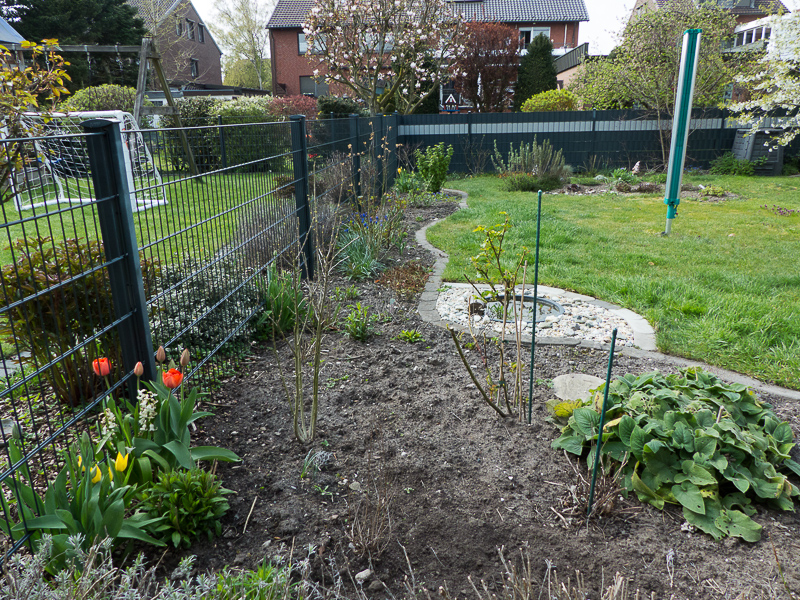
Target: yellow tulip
(97,475)
(80,463)
(121,463)
(110,474)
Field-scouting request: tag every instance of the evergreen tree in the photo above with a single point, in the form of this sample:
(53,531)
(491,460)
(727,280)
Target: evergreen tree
(103,22)
(537,73)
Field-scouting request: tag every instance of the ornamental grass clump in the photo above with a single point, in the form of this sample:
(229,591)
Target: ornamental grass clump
(691,440)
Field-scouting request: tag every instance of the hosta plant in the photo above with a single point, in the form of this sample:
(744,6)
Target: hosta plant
(692,440)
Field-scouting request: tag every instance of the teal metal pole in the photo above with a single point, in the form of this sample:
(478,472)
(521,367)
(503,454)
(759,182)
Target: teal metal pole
(680,122)
(535,299)
(602,421)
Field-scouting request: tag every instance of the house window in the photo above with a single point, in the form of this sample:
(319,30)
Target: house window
(190,29)
(179,27)
(195,64)
(201,33)
(527,34)
(302,45)
(310,86)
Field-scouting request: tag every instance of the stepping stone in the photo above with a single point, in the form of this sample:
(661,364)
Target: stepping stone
(575,386)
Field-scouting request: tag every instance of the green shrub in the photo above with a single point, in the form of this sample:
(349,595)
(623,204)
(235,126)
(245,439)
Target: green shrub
(624,175)
(550,101)
(728,164)
(533,159)
(77,300)
(523,182)
(338,108)
(690,439)
(255,139)
(194,112)
(103,97)
(433,165)
(188,504)
(209,305)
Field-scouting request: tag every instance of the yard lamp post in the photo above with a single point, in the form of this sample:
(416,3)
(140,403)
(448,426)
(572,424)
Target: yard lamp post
(680,122)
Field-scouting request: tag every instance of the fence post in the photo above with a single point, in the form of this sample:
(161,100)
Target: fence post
(356,158)
(300,162)
(222,152)
(114,211)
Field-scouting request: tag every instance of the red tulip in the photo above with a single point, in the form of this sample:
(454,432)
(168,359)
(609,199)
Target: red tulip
(138,370)
(172,378)
(101,367)
(161,355)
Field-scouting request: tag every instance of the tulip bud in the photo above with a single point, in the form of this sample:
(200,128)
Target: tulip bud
(138,370)
(161,354)
(185,357)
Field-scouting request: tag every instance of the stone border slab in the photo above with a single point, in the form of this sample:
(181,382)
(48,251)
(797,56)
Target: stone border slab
(644,335)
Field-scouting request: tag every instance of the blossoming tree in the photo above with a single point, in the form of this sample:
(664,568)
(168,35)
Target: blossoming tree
(775,85)
(385,52)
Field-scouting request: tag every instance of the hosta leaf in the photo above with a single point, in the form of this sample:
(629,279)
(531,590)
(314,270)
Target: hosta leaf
(646,494)
(739,500)
(705,522)
(626,427)
(696,474)
(616,450)
(719,462)
(793,466)
(704,419)
(767,489)
(738,524)
(638,439)
(585,421)
(705,446)
(783,434)
(571,443)
(688,494)
(683,437)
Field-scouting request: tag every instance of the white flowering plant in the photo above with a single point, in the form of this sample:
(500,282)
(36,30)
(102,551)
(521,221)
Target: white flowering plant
(385,52)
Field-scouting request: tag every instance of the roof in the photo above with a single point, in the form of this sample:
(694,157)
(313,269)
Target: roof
(760,7)
(291,13)
(9,35)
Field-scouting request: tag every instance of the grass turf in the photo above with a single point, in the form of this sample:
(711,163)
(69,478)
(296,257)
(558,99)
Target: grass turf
(724,288)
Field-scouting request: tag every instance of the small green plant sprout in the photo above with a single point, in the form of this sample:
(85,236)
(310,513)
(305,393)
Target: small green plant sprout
(331,382)
(408,490)
(410,336)
(358,324)
(323,491)
(343,294)
(692,440)
(502,387)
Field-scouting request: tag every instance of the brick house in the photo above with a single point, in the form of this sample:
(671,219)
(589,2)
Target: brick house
(189,54)
(745,10)
(292,68)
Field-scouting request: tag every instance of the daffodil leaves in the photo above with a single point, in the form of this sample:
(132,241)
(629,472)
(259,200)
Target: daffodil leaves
(692,440)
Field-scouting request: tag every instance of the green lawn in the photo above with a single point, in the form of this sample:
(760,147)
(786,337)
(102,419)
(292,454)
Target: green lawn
(724,288)
(201,216)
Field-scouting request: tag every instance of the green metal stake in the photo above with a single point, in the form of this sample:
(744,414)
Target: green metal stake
(602,421)
(680,122)
(535,297)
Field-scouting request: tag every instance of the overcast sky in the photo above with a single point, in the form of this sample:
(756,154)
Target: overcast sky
(606,20)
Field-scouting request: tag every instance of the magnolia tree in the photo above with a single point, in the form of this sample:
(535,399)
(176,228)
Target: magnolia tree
(403,47)
(775,85)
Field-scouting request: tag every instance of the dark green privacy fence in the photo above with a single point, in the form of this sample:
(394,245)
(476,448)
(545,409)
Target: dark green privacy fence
(111,247)
(602,138)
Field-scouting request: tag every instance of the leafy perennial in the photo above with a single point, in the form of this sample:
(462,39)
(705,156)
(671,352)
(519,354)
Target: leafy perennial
(693,440)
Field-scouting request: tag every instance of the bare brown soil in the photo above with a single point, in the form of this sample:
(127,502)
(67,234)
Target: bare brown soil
(406,427)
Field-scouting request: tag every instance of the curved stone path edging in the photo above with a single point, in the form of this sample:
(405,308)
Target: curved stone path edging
(644,336)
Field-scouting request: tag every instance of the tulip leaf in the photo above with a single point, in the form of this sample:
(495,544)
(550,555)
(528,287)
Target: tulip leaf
(181,454)
(214,453)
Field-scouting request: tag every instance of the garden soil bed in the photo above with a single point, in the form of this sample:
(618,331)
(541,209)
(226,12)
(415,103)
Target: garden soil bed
(403,423)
